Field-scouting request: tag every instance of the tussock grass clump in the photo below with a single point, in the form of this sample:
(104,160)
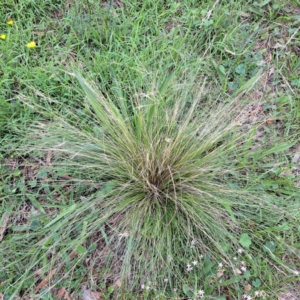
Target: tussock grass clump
(170,178)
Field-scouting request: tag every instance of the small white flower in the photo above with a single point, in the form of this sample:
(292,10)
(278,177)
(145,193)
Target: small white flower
(249,298)
(166,280)
(189,269)
(235,258)
(188,265)
(147,287)
(238,271)
(244,269)
(201,256)
(193,242)
(175,290)
(256,293)
(201,292)
(220,265)
(195,263)
(240,251)
(242,263)
(142,286)
(261,63)
(245,296)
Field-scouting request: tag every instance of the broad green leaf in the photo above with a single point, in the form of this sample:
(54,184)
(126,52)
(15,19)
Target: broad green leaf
(222,70)
(240,69)
(41,174)
(284,226)
(225,246)
(33,183)
(229,282)
(35,203)
(35,225)
(150,115)
(166,83)
(249,83)
(247,275)
(229,210)
(279,148)
(93,247)
(187,290)
(269,246)
(80,250)
(62,214)
(233,86)
(263,3)
(256,283)
(245,240)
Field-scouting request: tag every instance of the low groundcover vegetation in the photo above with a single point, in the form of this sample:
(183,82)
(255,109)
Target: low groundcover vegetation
(144,173)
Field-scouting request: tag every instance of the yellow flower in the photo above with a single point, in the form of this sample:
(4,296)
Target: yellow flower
(10,22)
(31,45)
(3,36)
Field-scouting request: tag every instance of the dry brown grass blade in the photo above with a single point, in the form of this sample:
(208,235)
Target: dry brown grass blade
(44,282)
(62,293)
(3,227)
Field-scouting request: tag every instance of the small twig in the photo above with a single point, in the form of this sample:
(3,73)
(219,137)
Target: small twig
(4,226)
(291,37)
(210,11)
(287,83)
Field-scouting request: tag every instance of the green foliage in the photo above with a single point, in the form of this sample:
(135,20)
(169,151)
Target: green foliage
(245,240)
(182,144)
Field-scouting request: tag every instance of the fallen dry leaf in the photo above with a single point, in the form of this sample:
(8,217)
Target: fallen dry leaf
(289,295)
(49,158)
(68,297)
(120,3)
(3,227)
(258,109)
(44,282)
(97,295)
(269,121)
(220,273)
(39,272)
(60,293)
(296,158)
(271,71)
(73,254)
(90,295)
(277,45)
(118,283)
